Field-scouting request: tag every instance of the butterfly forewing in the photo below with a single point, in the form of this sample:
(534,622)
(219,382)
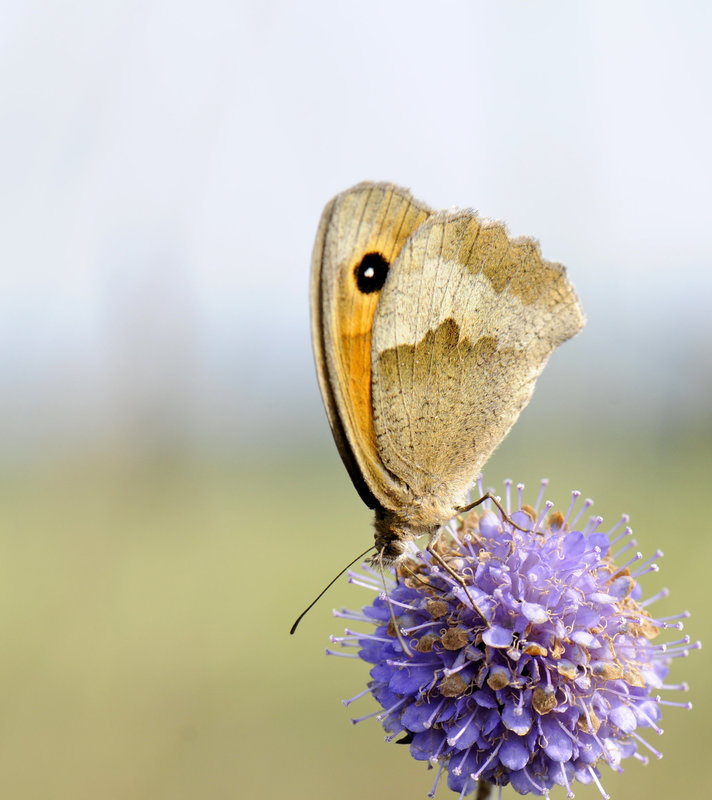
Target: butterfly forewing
(361,234)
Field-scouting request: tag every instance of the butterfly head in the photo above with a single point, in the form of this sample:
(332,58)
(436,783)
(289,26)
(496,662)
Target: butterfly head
(393,532)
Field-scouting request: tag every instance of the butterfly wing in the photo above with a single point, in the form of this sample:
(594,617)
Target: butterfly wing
(465,324)
(362,232)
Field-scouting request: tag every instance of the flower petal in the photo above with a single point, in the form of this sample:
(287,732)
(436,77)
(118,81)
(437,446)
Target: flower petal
(417,715)
(408,680)
(426,743)
(535,613)
(514,754)
(556,743)
(517,719)
(496,636)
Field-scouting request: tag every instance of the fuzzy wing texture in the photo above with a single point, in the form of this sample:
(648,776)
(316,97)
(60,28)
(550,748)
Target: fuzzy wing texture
(465,324)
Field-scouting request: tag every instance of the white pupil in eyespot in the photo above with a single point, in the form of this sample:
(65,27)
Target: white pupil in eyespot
(368,272)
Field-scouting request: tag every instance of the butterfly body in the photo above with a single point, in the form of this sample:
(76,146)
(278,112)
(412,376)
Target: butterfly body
(429,331)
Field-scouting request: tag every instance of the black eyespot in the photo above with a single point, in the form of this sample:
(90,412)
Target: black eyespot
(371,273)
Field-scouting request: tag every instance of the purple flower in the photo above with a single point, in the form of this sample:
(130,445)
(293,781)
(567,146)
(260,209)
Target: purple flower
(538,670)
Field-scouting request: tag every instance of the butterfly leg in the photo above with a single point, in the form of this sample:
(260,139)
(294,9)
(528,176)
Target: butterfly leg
(505,516)
(430,547)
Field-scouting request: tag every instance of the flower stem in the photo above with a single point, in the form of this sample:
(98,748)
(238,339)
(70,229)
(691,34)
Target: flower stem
(484,790)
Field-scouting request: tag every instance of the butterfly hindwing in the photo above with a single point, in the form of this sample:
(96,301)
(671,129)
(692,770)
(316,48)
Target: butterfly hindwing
(465,324)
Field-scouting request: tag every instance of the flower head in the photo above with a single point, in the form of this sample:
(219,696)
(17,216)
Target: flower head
(530,657)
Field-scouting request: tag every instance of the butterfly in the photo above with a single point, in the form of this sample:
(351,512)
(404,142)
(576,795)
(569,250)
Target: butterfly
(429,330)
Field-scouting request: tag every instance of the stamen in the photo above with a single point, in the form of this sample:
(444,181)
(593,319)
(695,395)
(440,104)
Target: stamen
(393,663)
(600,788)
(651,722)
(452,740)
(387,712)
(355,635)
(627,564)
(508,494)
(476,775)
(466,789)
(436,755)
(604,750)
(452,670)
(358,696)
(651,568)
(394,621)
(681,651)
(414,628)
(568,732)
(673,626)
(367,716)
(623,694)
(574,498)
(542,488)
(632,543)
(622,521)
(357,580)
(406,606)
(648,562)
(630,616)
(665,592)
(341,655)
(350,615)
(627,532)
(669,645)
(431,793)
(458,769)
(587,503)
(569,793)
(687,706)
(640,739)
(531,780)
(593,523)
(451,528)
(547,508)
(431,719)
(683,615)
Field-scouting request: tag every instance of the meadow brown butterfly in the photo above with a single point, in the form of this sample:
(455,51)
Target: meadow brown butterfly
(430,329)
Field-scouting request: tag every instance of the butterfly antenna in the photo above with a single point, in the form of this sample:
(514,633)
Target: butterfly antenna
(327,587)
(396,628)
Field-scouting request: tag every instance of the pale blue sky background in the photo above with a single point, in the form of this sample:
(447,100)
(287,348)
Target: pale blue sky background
(164,166)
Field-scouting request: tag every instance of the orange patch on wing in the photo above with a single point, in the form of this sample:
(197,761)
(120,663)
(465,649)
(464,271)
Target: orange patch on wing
(395,220)
(358,345)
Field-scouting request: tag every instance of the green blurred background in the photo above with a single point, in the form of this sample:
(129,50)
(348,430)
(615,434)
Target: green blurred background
(170,497)
(146,605)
